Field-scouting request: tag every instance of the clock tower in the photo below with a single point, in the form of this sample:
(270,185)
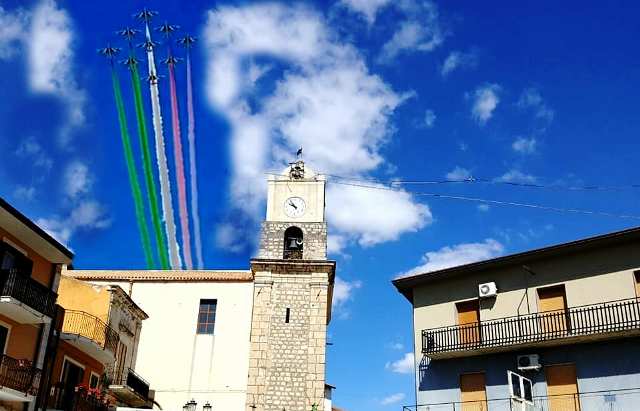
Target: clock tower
(293,287)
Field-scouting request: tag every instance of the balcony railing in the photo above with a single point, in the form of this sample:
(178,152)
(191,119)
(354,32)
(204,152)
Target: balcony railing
(91,327)
(588,320)
(615,400)
(133,380)
(28,291)
(76,399)
(19,375)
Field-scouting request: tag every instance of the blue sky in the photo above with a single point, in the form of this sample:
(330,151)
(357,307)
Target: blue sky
(539,93)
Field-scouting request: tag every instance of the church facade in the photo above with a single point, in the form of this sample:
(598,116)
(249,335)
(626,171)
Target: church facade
(243,340)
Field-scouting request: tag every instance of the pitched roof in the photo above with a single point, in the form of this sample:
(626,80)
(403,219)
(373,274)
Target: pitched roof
(405,284)
(163,275)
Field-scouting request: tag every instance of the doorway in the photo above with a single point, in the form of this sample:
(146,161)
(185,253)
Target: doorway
(72,375)
(562,387)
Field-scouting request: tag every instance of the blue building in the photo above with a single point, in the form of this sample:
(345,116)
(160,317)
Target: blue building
(556,329)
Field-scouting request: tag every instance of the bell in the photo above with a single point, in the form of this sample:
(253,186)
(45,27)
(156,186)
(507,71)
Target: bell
(293,243)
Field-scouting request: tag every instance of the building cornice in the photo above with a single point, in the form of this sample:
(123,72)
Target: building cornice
(163,275)
(294,266)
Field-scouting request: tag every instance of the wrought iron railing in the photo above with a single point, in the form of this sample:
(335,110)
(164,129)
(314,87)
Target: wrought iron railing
(76,399)
(91,327)
(609,317)
(133,380)
(28,291)
(19,375)
(614,400)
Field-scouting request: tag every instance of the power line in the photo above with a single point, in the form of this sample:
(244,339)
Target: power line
(478,180)
(496,202)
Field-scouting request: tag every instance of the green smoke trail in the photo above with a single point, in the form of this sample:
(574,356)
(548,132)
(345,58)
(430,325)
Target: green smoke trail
(146,160)
(133,175)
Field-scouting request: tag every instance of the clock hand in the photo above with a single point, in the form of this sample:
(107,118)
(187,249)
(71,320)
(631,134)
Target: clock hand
(292,205)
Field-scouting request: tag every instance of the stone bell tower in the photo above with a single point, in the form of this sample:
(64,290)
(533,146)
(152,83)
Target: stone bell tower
(293,290)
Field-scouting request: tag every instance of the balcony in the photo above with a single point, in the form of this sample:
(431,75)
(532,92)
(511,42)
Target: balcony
(615,400)
(90,334)
(24,299)
(130,388)
(19,379)
(577,324)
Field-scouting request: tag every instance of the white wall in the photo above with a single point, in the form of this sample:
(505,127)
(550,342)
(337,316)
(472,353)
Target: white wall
(181,365)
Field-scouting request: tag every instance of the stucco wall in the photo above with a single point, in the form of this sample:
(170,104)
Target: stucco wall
(613,365)
(181,365)
(23,339)
(590,277)
(79,295)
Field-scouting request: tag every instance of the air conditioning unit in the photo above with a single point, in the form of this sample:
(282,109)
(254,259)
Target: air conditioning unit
(487,290)
(530,362)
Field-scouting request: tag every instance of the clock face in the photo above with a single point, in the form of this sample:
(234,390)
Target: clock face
(294,206)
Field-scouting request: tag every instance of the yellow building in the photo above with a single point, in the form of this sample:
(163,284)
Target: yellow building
(97,346)
(30,266)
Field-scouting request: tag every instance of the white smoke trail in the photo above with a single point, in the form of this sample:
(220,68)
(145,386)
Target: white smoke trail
(163,170)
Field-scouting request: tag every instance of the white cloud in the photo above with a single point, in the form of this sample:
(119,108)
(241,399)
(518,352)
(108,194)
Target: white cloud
(532,99)
(31,150)
(459,254)
(396,346)
(326,101)
(50,43)
(483,207)
(405,365)
(343,291)
(357,211)
(516,176)
(429,118)
(227,238)
(77,180)
(457,60)
(525,145)
(485,101)
(336,243)
(12,32)
(25,192)
(86,215)
(367,8)
(459,174)
(420,31)
(392,399)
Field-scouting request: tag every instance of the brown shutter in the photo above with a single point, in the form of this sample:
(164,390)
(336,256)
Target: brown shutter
(472,392)
(552,304)
(562,387)
(469,322)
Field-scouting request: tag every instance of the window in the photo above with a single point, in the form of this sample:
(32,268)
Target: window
(521,388)
(94,380)
(4,334)
(287,315)
(637,276)
(473,392)
(10,258)
(121,357)
(207,316)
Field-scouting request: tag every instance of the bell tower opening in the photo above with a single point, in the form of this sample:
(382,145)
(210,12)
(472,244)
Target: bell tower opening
(293,243)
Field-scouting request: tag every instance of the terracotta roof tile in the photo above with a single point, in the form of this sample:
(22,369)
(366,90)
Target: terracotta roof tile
(162,275)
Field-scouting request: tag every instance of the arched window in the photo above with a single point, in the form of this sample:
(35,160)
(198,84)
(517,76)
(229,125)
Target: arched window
(293,243)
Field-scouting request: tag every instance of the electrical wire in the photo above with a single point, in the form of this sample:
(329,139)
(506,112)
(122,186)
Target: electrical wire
(495,202)
(478,180)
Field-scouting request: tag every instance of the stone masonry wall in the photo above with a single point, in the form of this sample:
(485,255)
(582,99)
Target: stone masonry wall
(287,360)
(272,240)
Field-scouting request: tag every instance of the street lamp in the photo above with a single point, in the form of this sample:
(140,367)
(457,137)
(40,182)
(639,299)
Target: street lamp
(207,407)
(190,406)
